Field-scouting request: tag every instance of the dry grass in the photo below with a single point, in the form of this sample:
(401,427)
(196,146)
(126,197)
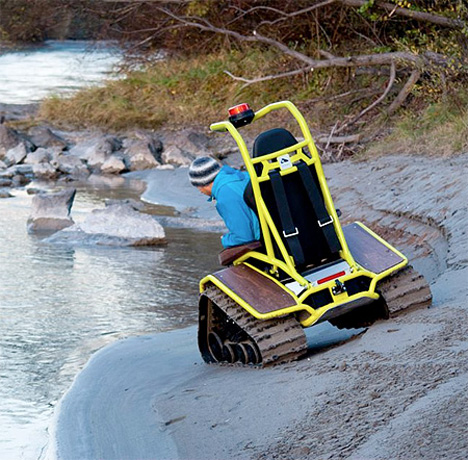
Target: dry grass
(172,92)
(191,91)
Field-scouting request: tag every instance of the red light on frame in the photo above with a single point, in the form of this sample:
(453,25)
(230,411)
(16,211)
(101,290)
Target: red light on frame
(237,109)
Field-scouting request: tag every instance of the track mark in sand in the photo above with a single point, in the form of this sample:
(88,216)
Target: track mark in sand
(379,389)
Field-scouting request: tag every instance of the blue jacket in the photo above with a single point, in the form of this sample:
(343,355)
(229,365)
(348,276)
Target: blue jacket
(241,221)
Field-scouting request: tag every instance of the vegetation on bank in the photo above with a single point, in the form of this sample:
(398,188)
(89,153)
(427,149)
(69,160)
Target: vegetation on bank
(191,91)
(359,69)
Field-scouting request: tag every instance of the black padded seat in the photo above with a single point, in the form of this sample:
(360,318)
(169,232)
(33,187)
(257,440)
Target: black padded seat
(272,141)
(312,240)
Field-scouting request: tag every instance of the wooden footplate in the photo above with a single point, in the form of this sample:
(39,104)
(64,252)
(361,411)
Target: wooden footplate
(260,292)
(370,253)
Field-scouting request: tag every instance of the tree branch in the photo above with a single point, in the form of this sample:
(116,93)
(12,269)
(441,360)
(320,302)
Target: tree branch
(339,139)
(375,103)
(297,13)
(268,77)
(412,14)
(405,91)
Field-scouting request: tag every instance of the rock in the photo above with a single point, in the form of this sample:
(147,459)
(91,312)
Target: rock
(34,190)
(54,153)
(138,155)
(24,170)
(44,171)
(51,211)
(16,170)
(15,155)
(4,182)
(9,138)
(175,156)
(3,165)
(113,165)
(41,136)
(152,142)
(5,193)
(19,180)
(40,155)
(192,142)
(71,165)
(95,151)
(7,173)
(116,225)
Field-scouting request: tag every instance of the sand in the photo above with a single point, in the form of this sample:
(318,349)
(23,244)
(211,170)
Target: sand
(397,390)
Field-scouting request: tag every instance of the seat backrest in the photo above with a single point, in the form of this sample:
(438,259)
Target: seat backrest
(313,242)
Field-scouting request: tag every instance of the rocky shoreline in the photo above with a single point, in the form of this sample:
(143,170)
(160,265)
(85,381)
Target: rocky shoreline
(50,156)
(45,153)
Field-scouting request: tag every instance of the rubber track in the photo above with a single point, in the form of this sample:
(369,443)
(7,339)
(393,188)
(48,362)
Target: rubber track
(279,340)
(405,291)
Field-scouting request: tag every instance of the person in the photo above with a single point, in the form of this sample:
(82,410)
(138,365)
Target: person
(226,186)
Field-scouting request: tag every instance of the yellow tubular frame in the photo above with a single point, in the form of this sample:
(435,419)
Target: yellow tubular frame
(270,232)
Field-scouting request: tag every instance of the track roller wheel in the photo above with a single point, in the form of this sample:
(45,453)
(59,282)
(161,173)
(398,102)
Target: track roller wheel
(229,334)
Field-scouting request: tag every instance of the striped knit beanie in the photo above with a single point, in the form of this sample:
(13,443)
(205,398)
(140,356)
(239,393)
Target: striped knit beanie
(203,171)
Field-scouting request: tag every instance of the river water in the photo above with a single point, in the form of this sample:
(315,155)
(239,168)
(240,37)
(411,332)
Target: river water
(59,304)
(57,67)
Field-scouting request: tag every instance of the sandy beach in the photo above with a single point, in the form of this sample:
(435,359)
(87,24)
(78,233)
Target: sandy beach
(394,391)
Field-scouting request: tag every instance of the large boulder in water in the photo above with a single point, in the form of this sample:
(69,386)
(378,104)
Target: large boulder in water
(51,211)
(116,225)
(113,165)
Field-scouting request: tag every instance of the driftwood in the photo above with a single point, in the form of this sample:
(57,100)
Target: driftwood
(351,139)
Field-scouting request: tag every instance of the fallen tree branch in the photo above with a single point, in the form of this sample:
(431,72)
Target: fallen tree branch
(268,77)
(375,103)
(412,14)
(339,139)
(405,91)
(350,61)
(297,13)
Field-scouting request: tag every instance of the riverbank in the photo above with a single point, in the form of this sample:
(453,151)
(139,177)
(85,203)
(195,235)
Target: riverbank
(397,391)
